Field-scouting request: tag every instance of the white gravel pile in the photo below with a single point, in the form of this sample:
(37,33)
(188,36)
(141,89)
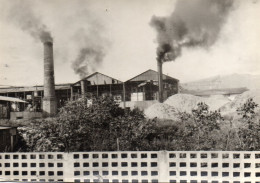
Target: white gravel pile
(231,107)
(161,111)
(186,102)
(182,103)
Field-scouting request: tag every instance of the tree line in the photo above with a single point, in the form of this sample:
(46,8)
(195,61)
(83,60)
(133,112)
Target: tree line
(104,126)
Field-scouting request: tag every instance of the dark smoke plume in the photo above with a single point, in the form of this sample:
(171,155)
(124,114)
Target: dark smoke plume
(193,23)
(87,60)
(22,15)
(92,48)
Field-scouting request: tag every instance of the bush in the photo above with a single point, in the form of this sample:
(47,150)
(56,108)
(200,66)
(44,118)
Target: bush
(201,128)
(101,126)
(249,132)
(104,126)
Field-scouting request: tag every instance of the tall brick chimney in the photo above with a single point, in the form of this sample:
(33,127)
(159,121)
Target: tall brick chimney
(82,86)
(49,99)
(160,81)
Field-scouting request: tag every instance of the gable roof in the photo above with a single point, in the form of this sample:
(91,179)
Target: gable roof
(150,75)
(99,79)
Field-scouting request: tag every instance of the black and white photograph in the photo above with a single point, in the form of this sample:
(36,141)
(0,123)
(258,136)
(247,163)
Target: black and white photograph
(130,91)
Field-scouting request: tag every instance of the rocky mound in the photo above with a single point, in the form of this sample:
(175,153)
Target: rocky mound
(187,102)
(231,107)
(182,103)
(161,111)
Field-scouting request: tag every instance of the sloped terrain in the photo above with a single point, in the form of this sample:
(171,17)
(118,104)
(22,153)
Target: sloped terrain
(187,102)
(182,103)
(230,108)
(161,111)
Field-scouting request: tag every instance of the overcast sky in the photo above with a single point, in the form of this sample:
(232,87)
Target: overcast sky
(120,28)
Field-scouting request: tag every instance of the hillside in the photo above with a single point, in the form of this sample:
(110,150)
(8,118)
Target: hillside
(224,82)
(213,92)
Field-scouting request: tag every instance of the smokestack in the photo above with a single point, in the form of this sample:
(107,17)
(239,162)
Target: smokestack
(160,81)
(49,99)
(82,85)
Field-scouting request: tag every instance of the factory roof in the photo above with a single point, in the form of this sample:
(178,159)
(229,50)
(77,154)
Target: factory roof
(99,79)
(32,88)
(150,75)
(6,127)
(11,99)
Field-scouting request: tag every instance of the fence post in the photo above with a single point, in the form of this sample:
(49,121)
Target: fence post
(68,167)
(163,166)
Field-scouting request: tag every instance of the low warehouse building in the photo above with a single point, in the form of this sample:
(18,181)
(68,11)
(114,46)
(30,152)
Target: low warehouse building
(9,105)
(140,91)
(8,138)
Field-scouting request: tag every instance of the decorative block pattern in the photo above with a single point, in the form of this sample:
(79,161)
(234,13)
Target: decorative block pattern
(142,167)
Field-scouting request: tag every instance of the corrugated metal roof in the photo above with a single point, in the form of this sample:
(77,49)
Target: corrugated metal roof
(99,79)
(11,99)
(150,75)
(33,88)
(5,127)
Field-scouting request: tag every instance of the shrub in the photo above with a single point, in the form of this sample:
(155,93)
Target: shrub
(249,132)
(101,126)
(200,128)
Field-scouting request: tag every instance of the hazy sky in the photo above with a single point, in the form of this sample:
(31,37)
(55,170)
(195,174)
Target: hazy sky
(120,28)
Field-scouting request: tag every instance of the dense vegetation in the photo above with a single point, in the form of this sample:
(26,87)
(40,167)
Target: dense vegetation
(104,126)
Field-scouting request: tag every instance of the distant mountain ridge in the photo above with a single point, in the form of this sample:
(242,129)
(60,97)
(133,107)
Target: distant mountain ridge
(223,82)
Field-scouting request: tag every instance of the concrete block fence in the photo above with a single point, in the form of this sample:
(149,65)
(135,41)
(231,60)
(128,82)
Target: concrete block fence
(132,167)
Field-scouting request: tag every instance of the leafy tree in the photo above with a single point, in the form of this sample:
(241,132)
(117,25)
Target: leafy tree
(101,126)
(40,135)
(249,132)
(200,128)
(104,126)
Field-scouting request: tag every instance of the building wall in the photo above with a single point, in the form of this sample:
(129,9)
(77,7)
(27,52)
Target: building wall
(25,115)
(142,105)
(8,139)
(4,111)
(100,79)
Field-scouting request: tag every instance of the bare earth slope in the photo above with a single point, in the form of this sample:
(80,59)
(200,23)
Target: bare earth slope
(231,107)
(182,103)
(187,102)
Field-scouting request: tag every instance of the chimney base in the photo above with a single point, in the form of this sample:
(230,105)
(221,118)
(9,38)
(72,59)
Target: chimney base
(49,106)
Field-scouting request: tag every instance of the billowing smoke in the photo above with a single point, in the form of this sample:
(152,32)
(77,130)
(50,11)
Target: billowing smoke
(91,46)
(193,23)
(87,61)
(21,13)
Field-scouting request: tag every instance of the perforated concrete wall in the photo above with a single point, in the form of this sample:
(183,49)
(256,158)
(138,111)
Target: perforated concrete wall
(143,167)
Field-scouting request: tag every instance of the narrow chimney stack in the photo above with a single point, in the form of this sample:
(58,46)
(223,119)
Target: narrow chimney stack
(160,81)
(49,99)
(82,85)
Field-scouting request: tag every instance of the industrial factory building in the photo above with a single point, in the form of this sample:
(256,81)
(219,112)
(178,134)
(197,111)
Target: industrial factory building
(43,101)
(140,91)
